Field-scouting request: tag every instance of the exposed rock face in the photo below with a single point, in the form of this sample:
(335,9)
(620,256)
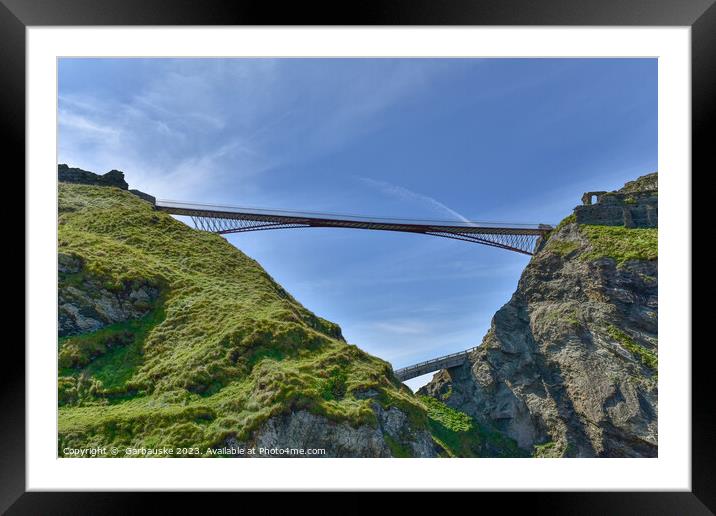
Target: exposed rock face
(77,175)
(86,304)
(114,178)
(569,363)
(304,430)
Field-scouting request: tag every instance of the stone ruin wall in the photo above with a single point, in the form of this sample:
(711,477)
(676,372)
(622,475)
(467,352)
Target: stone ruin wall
(631,210)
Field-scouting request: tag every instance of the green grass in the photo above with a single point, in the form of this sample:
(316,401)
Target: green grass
(334,387)
(77,351)
(620,243)
(397,449)
(569,219)
(222,351)
(554,450)
(109,356)
(617,242)
(546,450)
(562,247)
(461,436)
(448,417)
(646,356)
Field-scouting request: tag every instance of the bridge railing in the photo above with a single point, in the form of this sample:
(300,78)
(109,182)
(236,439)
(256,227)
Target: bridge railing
(238,210)
(427,365)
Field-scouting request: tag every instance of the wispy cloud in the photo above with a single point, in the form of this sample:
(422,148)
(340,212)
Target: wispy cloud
(403,193)
(402,327)
(73,121)
(190,127)
(174,134)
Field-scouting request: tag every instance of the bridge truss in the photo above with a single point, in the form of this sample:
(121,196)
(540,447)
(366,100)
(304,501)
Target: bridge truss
(520,238)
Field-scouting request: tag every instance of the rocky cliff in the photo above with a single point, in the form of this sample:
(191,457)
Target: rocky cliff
(569,365)
(115,178)
(67,174)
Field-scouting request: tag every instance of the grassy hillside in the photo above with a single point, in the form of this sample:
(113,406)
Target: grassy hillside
(460,435)
(616,242)
(221,350)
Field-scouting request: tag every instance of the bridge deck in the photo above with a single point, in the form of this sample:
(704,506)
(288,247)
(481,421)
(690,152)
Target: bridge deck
(436,364)
(227,219)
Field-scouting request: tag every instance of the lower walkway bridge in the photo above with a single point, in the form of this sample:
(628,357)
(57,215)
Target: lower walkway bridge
(436,364)
(520,238)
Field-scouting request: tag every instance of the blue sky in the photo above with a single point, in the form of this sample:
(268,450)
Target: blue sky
(514,140)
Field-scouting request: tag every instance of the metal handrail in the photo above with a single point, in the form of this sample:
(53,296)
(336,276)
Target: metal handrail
(223,220)
(166,203)
(434,360)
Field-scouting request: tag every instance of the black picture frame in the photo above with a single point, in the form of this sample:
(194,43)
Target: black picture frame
(700,15)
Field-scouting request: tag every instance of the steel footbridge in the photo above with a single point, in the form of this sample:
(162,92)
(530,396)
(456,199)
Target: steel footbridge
(435,364)
(520,238)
